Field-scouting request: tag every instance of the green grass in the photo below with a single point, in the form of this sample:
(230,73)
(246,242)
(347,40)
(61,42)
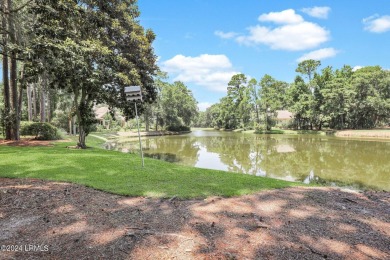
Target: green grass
(121,173)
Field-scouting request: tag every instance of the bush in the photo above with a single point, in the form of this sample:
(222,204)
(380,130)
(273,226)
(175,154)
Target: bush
(180,128)
(284,124)
(41,131)
(100,128)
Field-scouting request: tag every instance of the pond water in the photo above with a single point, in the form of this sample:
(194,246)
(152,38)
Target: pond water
(305,158)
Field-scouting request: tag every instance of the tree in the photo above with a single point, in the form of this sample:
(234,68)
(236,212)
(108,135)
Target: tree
(338,95)
(300,101)
(321,81)
(1,110)
(227,115)
(179,107)
(93,49)
(213,118)
(308,67)
(371,87)
(64,113)
(9,70)
(254,98)
(271,97)
(201,120)
(16,22)
(240,95)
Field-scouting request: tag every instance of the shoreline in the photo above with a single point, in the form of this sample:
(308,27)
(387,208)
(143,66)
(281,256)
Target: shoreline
(376,134)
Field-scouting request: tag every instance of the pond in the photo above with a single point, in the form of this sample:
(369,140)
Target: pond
(305,158)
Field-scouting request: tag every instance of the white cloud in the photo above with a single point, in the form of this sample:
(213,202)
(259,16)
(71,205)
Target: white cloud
(357,68)
(319,54)
(291,33)
(223,35)
(317,11)
(292,37)
(204,105)
(211,71)
(284,17)
(377,24)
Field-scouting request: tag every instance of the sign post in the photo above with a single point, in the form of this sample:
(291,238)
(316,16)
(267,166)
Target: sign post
(133,93)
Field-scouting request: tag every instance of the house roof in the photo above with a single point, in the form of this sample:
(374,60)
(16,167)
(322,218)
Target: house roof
(101,112)
(284,115)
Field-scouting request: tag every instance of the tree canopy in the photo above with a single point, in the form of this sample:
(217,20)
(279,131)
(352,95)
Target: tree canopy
(92,49)
(338,99)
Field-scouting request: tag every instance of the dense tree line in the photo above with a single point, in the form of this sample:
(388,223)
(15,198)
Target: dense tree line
(88,50)
(175,107)
(335,98)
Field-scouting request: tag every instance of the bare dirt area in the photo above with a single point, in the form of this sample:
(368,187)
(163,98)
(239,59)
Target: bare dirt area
(27,142)
(52,220)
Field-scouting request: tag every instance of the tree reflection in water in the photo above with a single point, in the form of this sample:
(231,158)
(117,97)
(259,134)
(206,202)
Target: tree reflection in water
(303,158)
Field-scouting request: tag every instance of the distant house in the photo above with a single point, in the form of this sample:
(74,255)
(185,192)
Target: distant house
(103,117)
(100,113)
(284,115)
(284,118)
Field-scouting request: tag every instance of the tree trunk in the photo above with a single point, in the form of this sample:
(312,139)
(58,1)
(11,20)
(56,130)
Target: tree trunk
(74,126)
(156,122)
(7,102)
(48,98)
(70,125)
(81,104)
(34,102)
(20,101)
(42,105)
(13,76)
(29,102)
(82,135)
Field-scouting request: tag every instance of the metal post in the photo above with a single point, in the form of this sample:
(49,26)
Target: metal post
(139,135)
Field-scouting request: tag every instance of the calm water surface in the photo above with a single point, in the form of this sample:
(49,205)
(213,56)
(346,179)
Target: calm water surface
(305,158)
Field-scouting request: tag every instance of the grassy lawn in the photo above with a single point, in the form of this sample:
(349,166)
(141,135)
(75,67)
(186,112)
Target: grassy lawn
(121,173)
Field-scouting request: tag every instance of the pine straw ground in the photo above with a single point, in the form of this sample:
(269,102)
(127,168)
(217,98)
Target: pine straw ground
(52,220)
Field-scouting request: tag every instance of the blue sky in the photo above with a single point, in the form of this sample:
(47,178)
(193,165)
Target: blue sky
(204,42)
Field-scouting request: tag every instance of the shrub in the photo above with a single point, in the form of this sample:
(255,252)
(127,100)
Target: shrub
(285,124)
(41,131)
(100,128)
(180,128)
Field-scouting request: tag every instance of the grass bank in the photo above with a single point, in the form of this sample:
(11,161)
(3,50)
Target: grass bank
(284,131)
(121,173)
(371,133)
